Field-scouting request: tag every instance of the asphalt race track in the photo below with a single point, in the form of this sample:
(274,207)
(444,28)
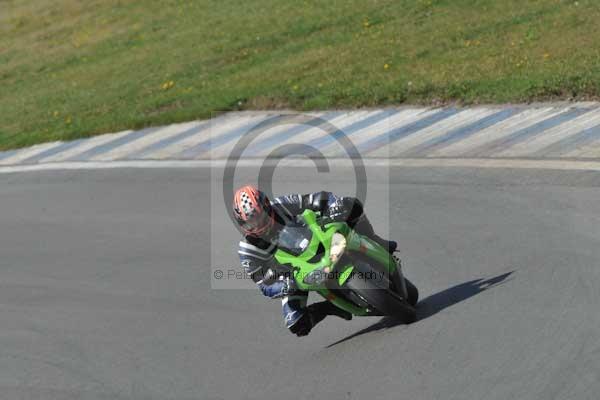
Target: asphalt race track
(105,292)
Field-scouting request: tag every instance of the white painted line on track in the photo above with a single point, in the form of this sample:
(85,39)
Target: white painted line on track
(160,134)
(553,135)
(388,124)
(224,150)
(505,128)
(85,146)
(589,150)
(406,133)
(340,122)
(460,119)
(29,152)
(213,132)
(566,165)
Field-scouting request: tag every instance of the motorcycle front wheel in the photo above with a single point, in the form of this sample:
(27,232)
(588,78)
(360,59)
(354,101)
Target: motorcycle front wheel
(377,291)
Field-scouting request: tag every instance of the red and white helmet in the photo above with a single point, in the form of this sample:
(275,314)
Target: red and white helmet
(253,212)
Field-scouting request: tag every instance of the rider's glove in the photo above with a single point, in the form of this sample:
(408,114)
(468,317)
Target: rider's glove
(317,201)
(347,209)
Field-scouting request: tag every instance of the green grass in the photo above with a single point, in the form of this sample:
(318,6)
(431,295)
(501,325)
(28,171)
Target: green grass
(72,68)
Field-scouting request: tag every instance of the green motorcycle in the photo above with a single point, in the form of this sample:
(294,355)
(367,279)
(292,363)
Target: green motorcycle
(348,269)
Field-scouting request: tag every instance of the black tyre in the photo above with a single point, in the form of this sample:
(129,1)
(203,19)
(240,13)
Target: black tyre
(413,293)
(377,291)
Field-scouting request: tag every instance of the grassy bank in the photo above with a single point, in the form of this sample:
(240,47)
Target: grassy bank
(71,68)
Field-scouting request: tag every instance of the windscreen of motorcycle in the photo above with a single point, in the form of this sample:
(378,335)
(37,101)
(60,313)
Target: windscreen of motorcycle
(294,239)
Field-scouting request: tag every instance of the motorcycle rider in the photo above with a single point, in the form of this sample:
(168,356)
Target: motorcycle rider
(260,221)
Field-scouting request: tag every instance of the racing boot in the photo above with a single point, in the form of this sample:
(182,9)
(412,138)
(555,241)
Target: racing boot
(316,313)
(322,309)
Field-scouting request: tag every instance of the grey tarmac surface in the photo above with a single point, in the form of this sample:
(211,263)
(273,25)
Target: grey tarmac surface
(105,292)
